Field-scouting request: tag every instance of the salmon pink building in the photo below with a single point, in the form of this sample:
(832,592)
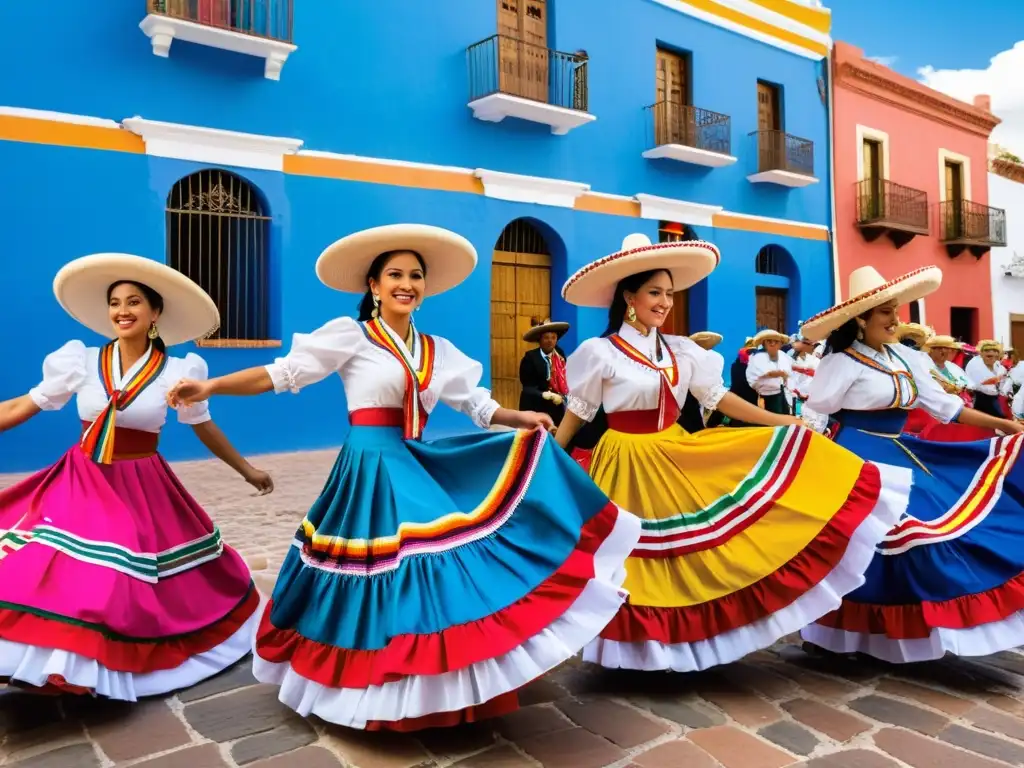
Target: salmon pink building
(911,189)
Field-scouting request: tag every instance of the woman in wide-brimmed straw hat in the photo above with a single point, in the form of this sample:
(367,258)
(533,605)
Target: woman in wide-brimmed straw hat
(742,542)
(985,377)
(947,577)
(769,371)
(113,580)
(913,335)
(430,580)
(805,364)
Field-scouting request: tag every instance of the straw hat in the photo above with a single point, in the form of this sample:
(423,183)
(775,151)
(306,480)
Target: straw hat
(450,258)
(943,342)
(868,289)
(540,329)
(81,289)
(688,261)
(748,343)
(769,335)
(706,339)
(916,331)
(990,344)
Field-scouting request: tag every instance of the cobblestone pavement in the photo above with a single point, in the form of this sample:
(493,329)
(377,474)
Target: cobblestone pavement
(776,708)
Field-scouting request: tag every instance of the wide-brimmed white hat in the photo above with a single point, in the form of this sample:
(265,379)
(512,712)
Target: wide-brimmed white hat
(450,258)
(868,289)
(706,339)
(986,344)
(688,261)
(81,289)
(943,342)
(769,335)
(914,331)
(547,326)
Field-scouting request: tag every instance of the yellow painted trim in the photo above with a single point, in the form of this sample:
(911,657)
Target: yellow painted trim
(818,19)
(58,133)
(736,17)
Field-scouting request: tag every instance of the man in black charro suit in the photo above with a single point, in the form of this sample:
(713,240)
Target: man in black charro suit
(542,371)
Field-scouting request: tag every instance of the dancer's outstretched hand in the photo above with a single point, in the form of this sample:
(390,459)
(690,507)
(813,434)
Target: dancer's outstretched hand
(260,480)
(534,420)
(188,391)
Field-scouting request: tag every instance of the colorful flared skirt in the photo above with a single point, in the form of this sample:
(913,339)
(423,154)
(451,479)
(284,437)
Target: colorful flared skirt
(748,535)
(431,580)
(114,581)
(949,577)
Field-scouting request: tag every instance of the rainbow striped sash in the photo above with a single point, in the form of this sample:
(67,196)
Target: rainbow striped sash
(668,409)
(416,379)
(98,440)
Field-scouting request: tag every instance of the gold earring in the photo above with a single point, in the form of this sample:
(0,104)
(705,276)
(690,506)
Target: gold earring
(376,306)
(631,314)
(154,332)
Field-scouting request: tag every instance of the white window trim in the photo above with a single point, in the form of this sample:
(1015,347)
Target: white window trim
(518,188)
(872,134)
(677,211)
(965,161)
(920,306)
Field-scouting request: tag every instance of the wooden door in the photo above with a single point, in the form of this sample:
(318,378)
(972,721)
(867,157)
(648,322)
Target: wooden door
(675,123)
(954,196)
(771,309)
(872,204)
(523,52)
(771,146)
(520,295)
(678,321)
(1017,337)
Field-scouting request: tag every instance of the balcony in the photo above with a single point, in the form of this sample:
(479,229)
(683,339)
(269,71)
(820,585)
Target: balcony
(891,209)
(689,135)
(783,159)
(261,28)
(971,226)
(513,78)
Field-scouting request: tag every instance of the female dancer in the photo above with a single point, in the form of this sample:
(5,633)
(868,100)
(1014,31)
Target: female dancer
(430,580)
(742,541)
(950,576)
(113,581)
(985,374)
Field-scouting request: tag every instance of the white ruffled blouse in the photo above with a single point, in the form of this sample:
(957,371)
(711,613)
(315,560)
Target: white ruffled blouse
(74,370)
(977,371)
(842,383)
(599,374)
(375,378)
(760,365)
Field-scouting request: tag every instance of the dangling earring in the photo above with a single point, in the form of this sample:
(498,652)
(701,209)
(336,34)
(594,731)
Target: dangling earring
(376,306)
(860,332)
(631,314)
(417,307)
(153,333)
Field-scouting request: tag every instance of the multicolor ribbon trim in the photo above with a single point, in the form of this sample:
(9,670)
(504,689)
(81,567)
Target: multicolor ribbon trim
(667,405)
(903,381)
(416,379)
(98,440)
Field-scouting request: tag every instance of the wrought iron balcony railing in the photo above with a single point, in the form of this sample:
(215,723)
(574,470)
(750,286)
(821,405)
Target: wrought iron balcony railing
(882,203)
(690,126)
(271,19)
(778,151)
(963,221)
(502,64)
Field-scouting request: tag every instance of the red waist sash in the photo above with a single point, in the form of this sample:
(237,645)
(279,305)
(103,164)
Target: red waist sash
(642,422)
(379,417)
(131,443)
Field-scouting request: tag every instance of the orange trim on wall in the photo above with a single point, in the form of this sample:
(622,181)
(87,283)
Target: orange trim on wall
(382,173)
(785,229)
(609,205)
(32,130)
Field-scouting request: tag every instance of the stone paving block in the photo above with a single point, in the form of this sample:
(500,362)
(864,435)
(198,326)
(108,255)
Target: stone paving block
(834,723)
(790,736)
(984,744)
(851,758)
(893,712)
(23,712)
(532,721)
(238,676)
(675,754)
(944,702)
(284,738)
(541,691)
(741,704)
(76,756)
(362,749)
(574,748)
(307,757)
(1007,704)
(22,745)
(203,756)
(499,757)
(734,748)
(828,688)
(859,671)
(681,712)
(618,723)
(241,713)
(917,751)
(761,679)
(454,743)
(997,722)
(145,729)
(1011,662)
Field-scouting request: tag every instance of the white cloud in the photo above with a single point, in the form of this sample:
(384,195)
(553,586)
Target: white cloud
(1002,80)
(885,61)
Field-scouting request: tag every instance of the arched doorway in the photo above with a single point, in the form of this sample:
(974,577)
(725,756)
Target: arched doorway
(520,297)
(217,235)
(776,289)
(678,321)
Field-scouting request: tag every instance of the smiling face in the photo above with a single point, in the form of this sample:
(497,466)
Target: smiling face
(940,355)
(401,284)
(772,347)
(880,325)
(652,301)
(131,314)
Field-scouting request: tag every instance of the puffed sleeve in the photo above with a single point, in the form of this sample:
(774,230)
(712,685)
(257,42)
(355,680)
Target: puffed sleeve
(315,356)
(193,367)
(756,368)
(459,384)
(941,404)
(706,368)
(586,370)
(977,372)
(832,380)
(64,371)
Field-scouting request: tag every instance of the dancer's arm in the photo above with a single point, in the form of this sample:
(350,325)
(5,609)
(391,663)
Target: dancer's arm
(567,429)
(975,418)
(16,412)
(736,407)
(218,444)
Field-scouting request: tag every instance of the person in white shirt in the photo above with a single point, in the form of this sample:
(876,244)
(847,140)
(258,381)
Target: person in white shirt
(769,370)
(985,375)
(805,362)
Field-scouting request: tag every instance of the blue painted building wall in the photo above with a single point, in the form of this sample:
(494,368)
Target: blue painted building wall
(370,79)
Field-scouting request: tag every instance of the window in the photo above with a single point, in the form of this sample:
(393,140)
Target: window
(217,235)
(673,117)
(678,321)
(963,324)
(915,311)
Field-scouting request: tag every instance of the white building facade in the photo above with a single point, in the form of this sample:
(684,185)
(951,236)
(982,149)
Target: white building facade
(1006,190)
